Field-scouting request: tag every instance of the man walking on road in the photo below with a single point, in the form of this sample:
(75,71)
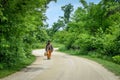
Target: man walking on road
(49,49)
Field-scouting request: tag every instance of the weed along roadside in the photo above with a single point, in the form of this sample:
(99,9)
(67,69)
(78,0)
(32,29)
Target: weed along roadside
(60,67)
(4,72)
(111,66)
(86,28)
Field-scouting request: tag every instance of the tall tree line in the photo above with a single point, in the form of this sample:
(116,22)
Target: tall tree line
(21,26)
(62,22)
(94,29)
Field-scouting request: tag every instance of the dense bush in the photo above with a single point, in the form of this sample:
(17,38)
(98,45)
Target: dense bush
(116,59)
(21,26)
(94,29)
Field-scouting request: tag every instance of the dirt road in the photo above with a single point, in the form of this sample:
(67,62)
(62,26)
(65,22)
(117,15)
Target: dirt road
(62,67)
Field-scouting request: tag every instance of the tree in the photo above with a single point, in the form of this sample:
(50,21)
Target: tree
(56,27)
(84,3)
(21,26)
(94,28)
(67,11)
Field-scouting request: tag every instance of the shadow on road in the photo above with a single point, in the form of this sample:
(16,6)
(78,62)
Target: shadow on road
(32,69)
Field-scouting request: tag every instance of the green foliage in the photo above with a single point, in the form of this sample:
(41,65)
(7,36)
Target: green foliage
(84,3)
(10,70)
(67,11)
(116,59)
(21,26)
(1,66)
(61,23)
(94,29)
(56,45)
(56,27)
(113,67)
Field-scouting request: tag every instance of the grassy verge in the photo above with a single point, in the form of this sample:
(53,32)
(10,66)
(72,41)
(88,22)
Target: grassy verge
(57,45)
(8,71)
(113,67)
(39,45)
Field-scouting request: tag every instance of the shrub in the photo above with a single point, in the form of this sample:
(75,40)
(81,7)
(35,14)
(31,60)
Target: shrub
(116,59)
(1,66)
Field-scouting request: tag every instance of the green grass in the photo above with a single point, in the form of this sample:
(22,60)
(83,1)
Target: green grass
(7,71)
(57,45)
(39,45)
(111,66)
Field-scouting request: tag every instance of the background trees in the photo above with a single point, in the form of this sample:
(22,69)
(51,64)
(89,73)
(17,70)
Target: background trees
(94,29)
(67,11)
(61,24)
(21,27)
